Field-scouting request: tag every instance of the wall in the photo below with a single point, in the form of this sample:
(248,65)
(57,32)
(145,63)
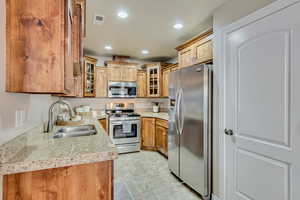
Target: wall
(34,107)
(225,15)
(141,104)
(102,59)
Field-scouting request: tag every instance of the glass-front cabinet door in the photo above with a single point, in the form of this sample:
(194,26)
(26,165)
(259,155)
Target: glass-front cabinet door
(89,77)
(153,81)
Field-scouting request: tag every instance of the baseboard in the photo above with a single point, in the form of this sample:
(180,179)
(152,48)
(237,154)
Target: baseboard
(214,197)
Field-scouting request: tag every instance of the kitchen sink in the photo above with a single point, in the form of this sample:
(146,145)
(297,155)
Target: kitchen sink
(75,131)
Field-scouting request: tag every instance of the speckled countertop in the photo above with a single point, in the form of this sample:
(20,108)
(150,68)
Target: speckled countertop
(35,150)
(160,115)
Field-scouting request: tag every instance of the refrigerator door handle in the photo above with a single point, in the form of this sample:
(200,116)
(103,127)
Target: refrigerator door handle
(176,112)
(180,111)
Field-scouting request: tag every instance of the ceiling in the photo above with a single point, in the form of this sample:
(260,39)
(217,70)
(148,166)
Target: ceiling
(149,26)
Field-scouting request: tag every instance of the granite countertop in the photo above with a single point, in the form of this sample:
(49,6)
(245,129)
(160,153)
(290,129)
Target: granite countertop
(35,150)
(160,115)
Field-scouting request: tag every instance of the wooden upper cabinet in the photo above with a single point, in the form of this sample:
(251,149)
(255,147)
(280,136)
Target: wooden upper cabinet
(203,51)
(35,47)
(114,73)
(197,50)
(142,83)
(101,82)
(89,80)
(148,133)
(165,82)
(153,80)
(121,71)
(129,73)
(185,57)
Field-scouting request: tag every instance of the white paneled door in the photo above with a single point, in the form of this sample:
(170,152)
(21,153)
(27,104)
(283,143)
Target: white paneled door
(262,64)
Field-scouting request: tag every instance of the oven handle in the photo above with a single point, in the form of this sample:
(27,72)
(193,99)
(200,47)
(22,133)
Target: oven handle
(121,122)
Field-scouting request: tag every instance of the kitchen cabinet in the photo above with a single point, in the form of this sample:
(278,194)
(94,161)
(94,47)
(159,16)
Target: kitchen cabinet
(89,85)
(37,46)
(114,73)
(165,82)
(88,181)
(129,73)
(166,77)
(161,136)
(196,51)
(142,83)
(101,82)
(43,47)
(148,133)
(153,80)
(203,51)
(185,57)
(122,71)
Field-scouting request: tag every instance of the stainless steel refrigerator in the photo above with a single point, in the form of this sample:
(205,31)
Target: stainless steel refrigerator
(189,139)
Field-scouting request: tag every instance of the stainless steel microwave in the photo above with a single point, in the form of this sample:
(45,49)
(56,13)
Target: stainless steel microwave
(122,89)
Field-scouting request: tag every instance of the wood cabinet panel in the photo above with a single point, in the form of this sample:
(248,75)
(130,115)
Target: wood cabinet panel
(186,57)
(101,82)
(148,133)
(165,82)
(142,84)
(161,139)
(129,73)
(35,60)
(114,73)
(203,51)
(90,182)
(161,129)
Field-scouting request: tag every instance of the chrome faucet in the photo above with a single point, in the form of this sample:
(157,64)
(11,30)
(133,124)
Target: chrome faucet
(50,113)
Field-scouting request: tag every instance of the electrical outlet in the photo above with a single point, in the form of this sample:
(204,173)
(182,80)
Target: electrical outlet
(17,118)
(20,117)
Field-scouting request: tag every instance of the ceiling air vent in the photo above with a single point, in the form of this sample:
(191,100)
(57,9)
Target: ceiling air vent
(98,19)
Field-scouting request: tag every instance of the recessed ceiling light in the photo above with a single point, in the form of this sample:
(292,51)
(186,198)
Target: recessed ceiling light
(178,26)
(108,47)
(122,14)
(145,52)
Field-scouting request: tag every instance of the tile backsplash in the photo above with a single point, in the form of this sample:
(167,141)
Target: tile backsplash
(141,104)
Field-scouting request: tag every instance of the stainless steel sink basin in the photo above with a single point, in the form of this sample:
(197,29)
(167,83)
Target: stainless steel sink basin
(75,131)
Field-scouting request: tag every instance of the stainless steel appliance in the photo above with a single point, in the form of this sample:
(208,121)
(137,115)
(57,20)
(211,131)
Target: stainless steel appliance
(122,89)
(124,127)
(189,139)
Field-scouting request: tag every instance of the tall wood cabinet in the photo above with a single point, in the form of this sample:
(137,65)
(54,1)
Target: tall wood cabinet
(101,82)
(166,77)
(39,48)
(196,51)
(142,83)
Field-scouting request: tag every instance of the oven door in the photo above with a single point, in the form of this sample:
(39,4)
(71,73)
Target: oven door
(125,132)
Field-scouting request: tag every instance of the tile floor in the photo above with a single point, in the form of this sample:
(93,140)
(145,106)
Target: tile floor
(145,176)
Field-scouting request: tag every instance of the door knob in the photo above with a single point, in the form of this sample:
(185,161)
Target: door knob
(228,132)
